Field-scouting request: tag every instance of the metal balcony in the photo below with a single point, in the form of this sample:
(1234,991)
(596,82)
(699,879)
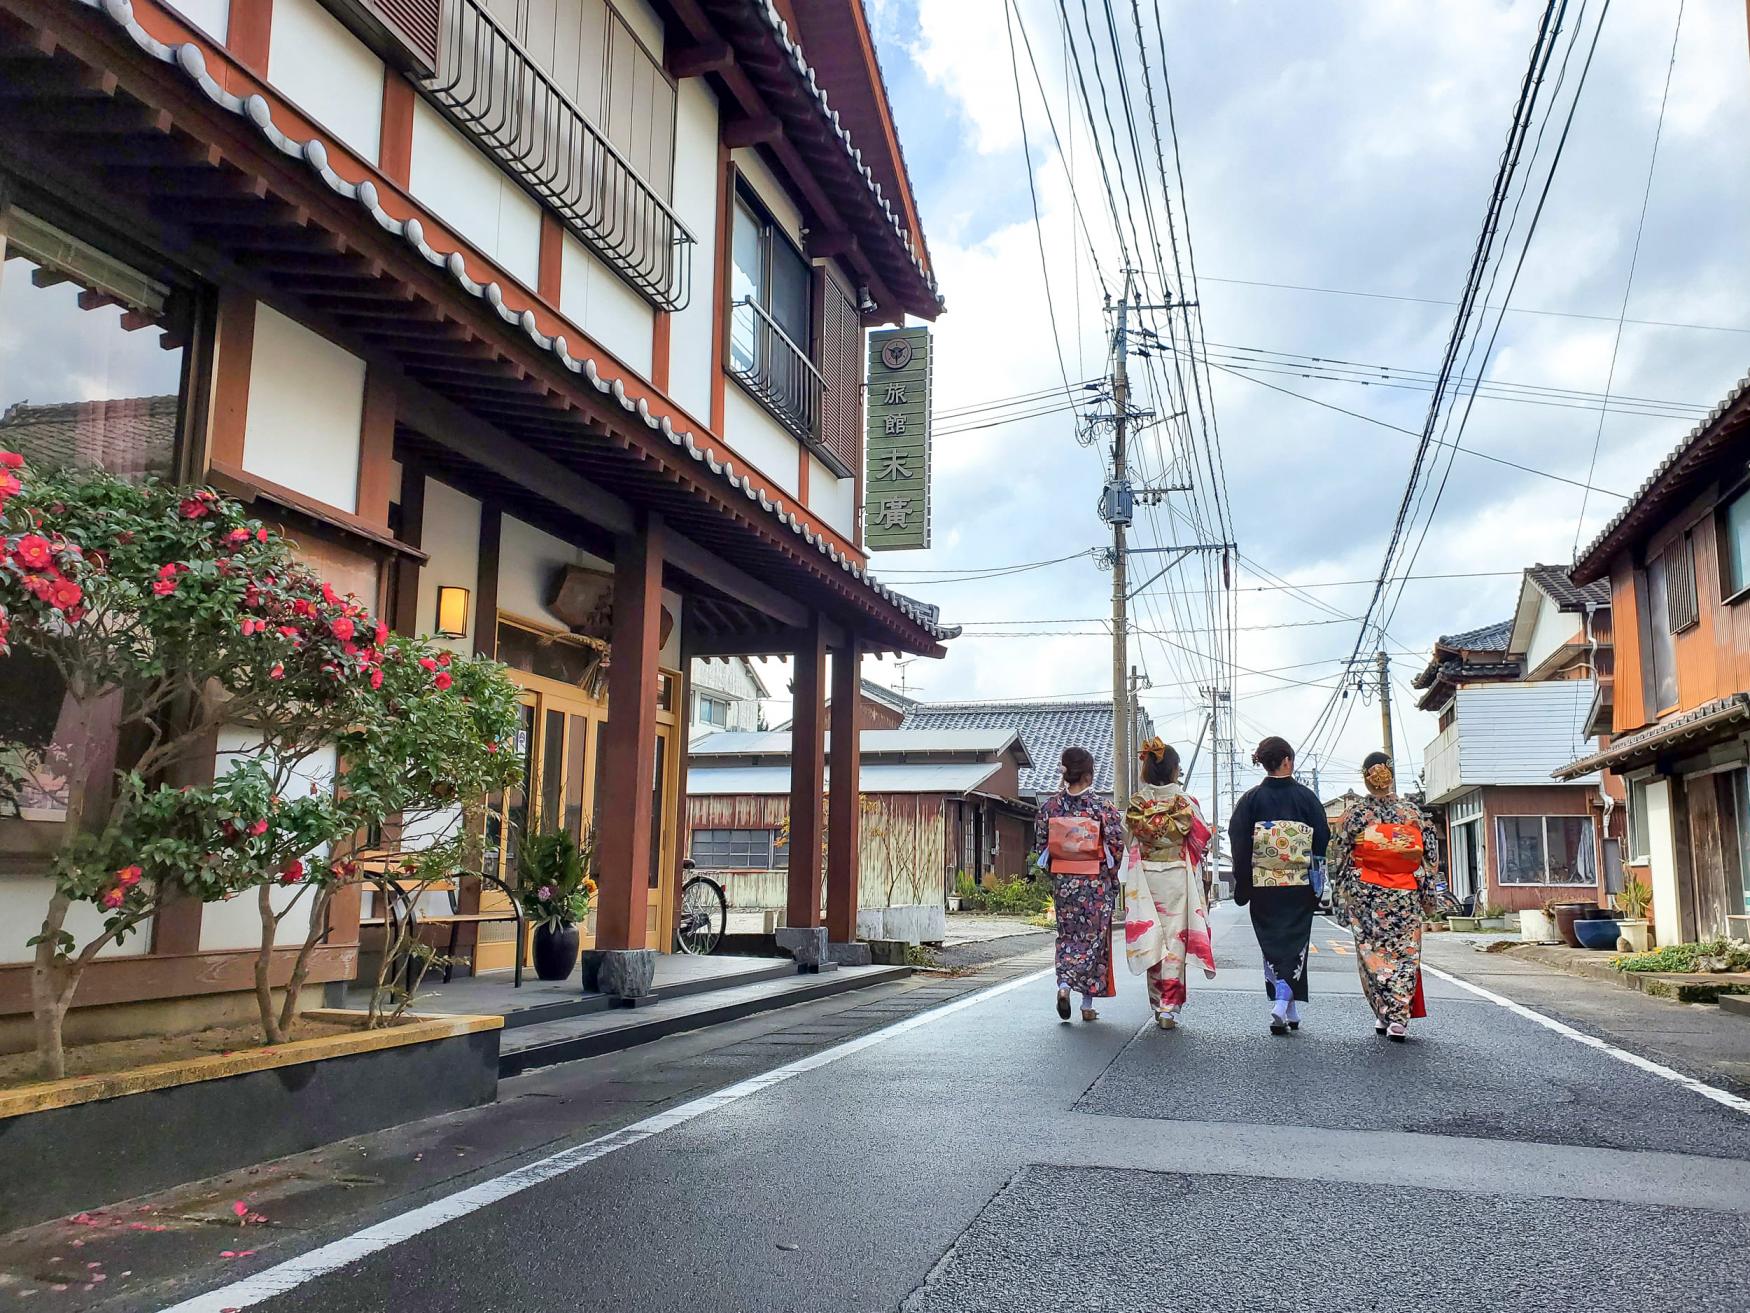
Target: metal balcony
(775,370)
(491,88)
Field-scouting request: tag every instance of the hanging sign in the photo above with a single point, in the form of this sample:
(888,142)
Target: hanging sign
(896,486)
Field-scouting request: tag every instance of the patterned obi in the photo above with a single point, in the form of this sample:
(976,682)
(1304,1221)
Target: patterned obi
(1389,854)
(1281,854)
(1160,827)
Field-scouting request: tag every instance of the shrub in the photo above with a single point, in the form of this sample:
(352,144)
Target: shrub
(1709,955)
(1014,896)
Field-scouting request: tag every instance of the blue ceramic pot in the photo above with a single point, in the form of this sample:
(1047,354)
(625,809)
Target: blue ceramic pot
(1598,934)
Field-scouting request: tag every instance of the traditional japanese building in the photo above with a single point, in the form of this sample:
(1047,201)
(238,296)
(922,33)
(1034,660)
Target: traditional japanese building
(538,324)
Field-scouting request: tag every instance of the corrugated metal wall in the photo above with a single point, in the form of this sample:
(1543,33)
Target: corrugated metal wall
(1520,733)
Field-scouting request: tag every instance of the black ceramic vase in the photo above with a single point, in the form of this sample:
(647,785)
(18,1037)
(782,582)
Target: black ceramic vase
(555,951)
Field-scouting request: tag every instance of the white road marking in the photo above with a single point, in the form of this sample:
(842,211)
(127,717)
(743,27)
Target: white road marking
(1722,1097)
(295,1272)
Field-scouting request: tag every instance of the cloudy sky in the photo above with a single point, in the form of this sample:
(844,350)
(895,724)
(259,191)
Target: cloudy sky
(1337,146)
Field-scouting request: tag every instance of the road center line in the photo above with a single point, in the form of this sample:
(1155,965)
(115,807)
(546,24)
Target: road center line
(295,1272)
(1723,1097)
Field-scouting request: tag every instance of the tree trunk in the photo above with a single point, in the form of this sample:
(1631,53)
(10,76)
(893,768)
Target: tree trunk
(51,992)
(271,1033)
(301,967)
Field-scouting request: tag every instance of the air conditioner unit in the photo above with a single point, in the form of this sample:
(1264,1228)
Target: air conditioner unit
(406,33)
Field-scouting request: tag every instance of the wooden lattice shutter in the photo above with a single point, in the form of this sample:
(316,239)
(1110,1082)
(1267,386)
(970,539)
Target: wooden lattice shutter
(1682,607)
(407,33)
(841,366)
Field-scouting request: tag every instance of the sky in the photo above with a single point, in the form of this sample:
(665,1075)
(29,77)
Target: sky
(1347,147)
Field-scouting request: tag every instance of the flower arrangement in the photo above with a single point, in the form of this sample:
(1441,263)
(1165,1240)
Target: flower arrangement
(554,885)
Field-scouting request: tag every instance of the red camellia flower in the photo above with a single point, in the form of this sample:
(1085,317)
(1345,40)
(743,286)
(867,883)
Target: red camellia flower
(288,631)
(164,587)
(491,746)
(381,635)
(443,658)
(32,552)
(113,898)
(292,872)
(258,828)
(261,535)
(64,594)
(11,460)
(193,508)
(376,674)
(278,671)
(237,537)
(442,680)
(128,876)
(342,629)
(329,595)
(428,663)
(9,485)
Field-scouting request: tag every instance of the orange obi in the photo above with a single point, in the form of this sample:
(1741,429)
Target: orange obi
(1389,854)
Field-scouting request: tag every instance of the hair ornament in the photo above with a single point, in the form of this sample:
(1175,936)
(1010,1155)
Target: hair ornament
(1379,777)
(1152,750)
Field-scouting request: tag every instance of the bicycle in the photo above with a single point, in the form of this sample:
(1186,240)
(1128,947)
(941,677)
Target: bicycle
(704,915)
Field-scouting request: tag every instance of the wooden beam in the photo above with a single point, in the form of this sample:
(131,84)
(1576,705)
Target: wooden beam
(691,61)
(807,776)
(710,568)
(629,741)
(759,131)
(842,845)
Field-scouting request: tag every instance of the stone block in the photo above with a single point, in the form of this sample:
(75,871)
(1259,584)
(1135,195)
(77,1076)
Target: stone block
(871,923)
(918,923)
(849,955)
(626,973)
(807,944)
(887,952)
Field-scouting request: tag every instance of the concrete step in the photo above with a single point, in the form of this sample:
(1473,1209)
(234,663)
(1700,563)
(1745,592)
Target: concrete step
(1737,1005)
(547,1043)
(582,1005)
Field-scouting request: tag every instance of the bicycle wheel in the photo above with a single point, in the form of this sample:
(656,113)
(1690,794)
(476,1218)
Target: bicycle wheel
(704,915)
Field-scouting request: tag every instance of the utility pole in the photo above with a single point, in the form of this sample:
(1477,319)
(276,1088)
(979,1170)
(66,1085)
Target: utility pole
(1138,682)
(1383,663)
(1120,588)
(1218,746)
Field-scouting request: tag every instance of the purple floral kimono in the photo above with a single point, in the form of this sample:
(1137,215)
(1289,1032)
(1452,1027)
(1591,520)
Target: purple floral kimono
(1084,903)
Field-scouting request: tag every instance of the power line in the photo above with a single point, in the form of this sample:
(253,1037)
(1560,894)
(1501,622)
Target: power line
(1430,300)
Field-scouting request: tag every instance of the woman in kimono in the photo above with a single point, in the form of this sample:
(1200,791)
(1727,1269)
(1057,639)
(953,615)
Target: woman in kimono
(1384,860)
(1163,821)
(1277,830)
(1085,884)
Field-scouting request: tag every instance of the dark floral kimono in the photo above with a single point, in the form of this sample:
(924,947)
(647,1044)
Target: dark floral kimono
(1383,859)
(1277,828)
(1084,903)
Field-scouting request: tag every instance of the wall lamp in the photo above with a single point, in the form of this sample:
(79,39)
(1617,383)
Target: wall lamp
(452,613)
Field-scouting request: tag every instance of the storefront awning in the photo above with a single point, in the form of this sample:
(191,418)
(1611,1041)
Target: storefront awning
(1709,721)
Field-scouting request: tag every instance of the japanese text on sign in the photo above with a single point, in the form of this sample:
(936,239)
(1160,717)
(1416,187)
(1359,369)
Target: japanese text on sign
(896,507)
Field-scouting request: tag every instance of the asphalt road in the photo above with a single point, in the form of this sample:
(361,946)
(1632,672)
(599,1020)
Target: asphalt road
(987,1156)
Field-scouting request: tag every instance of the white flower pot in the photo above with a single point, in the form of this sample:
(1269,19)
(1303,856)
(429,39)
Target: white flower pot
(1535,927)
(1633,936)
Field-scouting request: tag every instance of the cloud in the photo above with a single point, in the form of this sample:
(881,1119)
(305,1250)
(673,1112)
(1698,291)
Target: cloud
(1330,147)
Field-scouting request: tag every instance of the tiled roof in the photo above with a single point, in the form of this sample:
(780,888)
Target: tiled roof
(254,108)
(1592,562)
(1558,585)
(1488,638)
(1046,728)
(1646,744)
(130,435)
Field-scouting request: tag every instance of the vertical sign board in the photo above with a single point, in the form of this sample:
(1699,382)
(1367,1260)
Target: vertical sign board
(896,488)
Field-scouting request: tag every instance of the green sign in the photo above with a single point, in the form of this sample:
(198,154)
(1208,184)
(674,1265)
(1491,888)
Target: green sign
(896,485)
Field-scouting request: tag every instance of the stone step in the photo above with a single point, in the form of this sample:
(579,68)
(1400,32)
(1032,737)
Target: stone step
(1737,1005)
(590,1035)
(583,1004)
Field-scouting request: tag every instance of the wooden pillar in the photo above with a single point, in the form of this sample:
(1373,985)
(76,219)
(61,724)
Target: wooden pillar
(629,748)
(807,775)
(842,844)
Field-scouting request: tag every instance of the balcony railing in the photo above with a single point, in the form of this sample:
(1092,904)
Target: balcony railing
(776,370)
(488,84)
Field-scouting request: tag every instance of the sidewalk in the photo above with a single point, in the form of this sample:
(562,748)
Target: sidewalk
(1700,1040)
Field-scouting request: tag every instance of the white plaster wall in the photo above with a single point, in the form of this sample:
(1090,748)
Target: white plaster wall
(771,192)
(23,901)
(212,16)
(328,73)
(644,22)
(1554,628)
(831,498)
(236,922)
(691,346)
(529,559)
(474,196)
(450,537)
(604,307)
(752,433)
(306,405)
(1662,868)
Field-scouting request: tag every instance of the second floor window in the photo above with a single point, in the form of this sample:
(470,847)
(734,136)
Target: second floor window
(1671,608)
(713,711)
(1734,521)
(769,320)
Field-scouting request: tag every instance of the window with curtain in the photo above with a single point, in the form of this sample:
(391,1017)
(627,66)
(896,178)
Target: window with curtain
(1551,850)
(1734,531)
(1661,655)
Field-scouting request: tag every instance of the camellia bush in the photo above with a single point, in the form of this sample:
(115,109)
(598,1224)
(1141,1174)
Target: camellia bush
(172,619)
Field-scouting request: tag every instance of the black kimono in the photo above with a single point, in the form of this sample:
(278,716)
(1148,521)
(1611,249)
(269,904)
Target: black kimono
(1276,831)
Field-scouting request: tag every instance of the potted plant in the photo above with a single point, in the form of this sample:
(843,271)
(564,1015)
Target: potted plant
(1464,924)
(1632,926)
(1598,932)
(1494,917)
(1537,925)
(555,890)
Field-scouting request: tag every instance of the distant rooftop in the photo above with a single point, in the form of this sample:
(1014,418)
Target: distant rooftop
(1558,585)
(1046,728)
(874,742)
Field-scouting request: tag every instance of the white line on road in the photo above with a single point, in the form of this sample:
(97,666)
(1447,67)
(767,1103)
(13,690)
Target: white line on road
(295,1272)
(1723,1097)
